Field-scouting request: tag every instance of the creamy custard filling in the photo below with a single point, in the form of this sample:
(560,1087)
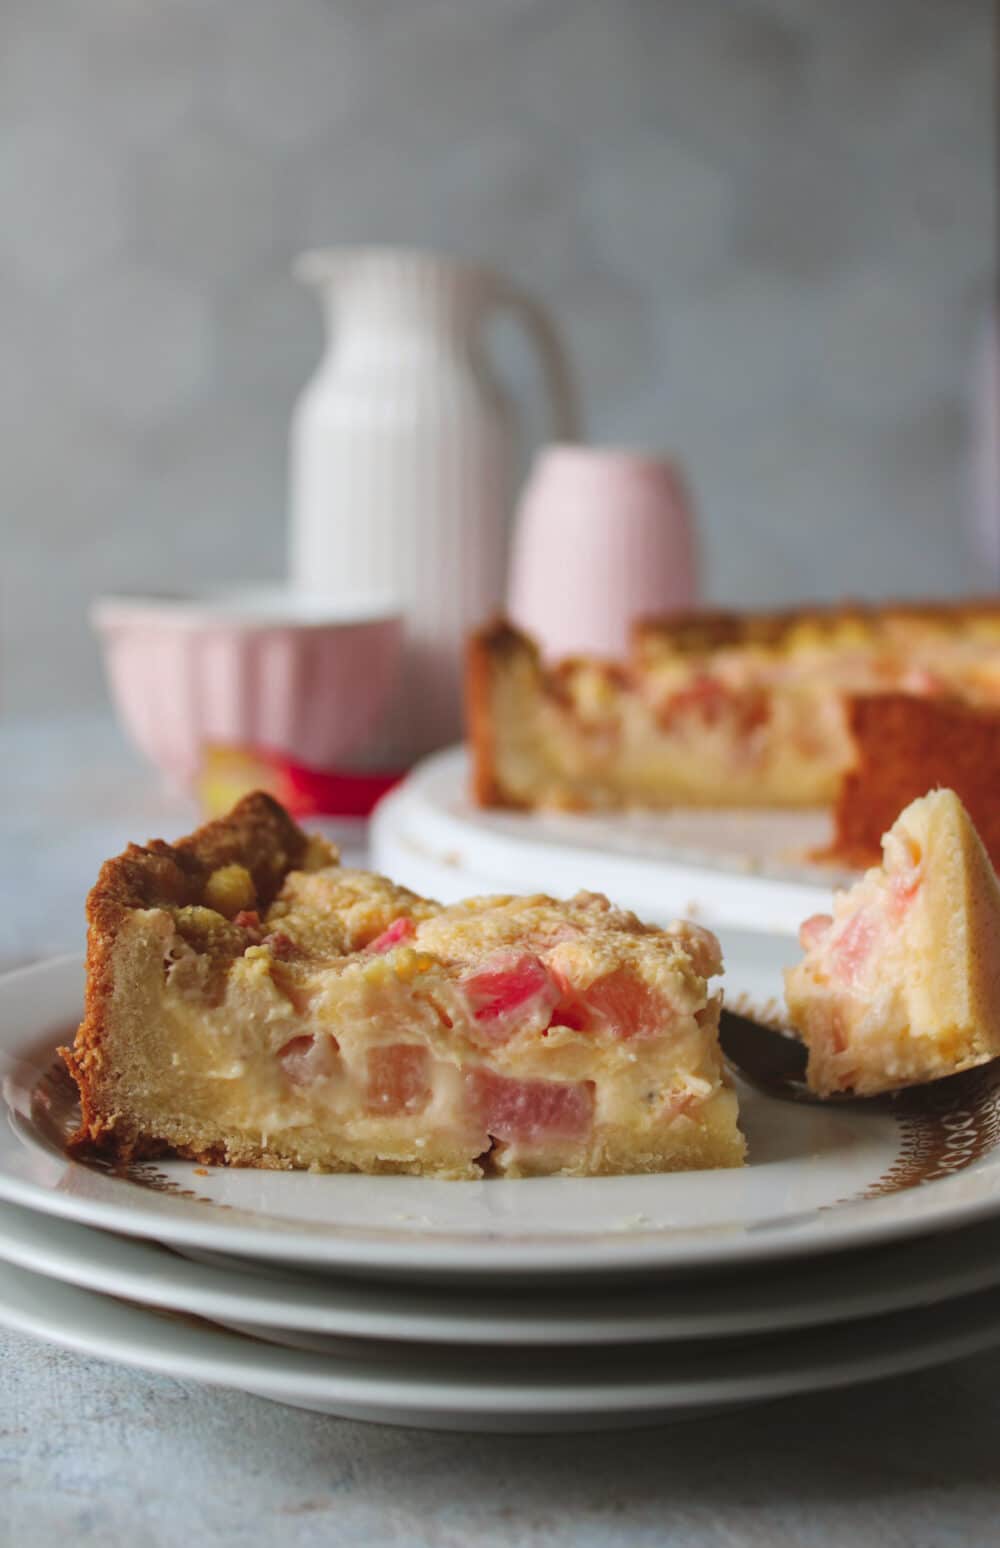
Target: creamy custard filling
(857,968)
(529,1027)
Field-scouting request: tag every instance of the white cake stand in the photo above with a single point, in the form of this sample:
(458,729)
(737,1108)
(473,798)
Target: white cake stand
(742,870)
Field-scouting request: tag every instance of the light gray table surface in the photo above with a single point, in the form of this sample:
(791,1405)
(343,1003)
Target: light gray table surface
(95,1454)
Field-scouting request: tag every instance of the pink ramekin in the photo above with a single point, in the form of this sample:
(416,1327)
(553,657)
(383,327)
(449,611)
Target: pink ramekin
(248,667)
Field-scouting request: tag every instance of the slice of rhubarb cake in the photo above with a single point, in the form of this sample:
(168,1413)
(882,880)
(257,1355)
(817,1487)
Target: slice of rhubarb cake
(250,1001)
(902,983)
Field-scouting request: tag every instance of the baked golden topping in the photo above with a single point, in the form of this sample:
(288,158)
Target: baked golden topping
(230,890)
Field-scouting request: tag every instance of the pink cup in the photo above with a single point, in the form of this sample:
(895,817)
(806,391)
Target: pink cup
(260,668)
(601,538)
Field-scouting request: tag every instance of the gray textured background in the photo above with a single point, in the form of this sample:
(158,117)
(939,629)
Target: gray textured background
(767,226)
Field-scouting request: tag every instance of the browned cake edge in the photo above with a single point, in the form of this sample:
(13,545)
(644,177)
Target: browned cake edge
(258,833)
(906,745)
(697,631)
(487,652)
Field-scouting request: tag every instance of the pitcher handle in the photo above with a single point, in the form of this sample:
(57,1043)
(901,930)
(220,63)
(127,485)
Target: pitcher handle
(564,402)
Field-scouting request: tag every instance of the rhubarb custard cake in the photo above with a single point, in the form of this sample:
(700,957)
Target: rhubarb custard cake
(901,984)
(713,709)
(250,1001)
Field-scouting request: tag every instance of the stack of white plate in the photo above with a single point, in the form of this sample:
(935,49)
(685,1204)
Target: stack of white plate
(858,1242)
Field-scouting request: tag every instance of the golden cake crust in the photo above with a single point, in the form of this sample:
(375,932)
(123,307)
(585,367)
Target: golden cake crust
(497,642)
(257,834)
(906,745)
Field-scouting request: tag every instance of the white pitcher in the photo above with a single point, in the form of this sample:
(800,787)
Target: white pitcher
(403,457)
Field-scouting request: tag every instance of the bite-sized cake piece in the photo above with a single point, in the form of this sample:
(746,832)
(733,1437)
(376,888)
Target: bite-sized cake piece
(902,983)
(713,709)
(904,745)
(249,1001)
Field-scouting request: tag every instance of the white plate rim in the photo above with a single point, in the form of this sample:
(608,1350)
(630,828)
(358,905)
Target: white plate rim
(152,1274)
(99,1327)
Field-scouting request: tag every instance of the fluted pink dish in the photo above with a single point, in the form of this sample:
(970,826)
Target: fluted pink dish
(602,536)
(258,668)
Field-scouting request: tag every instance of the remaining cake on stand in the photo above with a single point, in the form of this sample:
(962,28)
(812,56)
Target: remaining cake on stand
(865,707)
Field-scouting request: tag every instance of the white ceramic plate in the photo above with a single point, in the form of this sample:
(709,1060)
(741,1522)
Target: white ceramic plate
(303,1307)
(459,1388)
(819,1178)
(744,870)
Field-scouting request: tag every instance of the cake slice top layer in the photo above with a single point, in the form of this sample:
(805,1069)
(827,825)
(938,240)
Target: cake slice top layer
(258,881)
(255,887)
(901,984)
(334,912)
(258,836)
